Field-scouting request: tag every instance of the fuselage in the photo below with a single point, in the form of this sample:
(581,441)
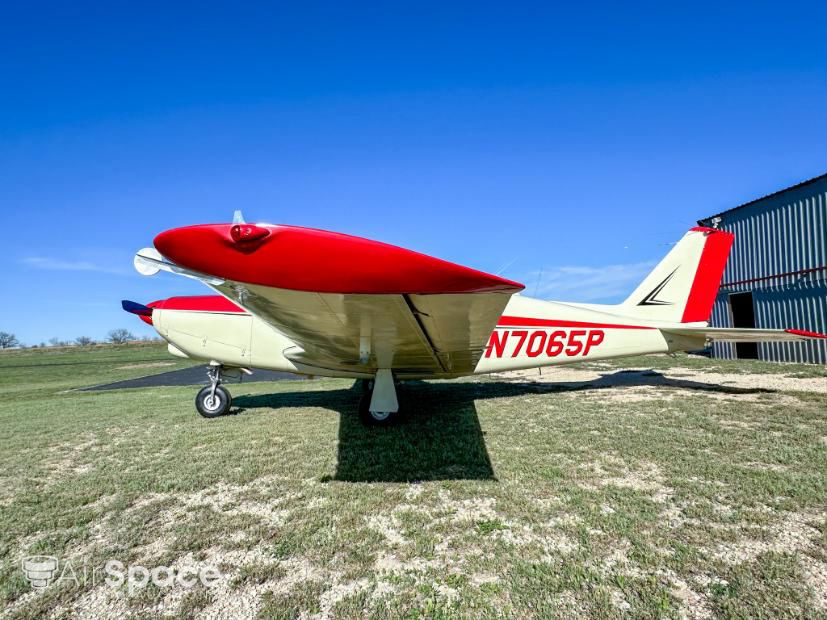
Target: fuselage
(534,333)
(530,333)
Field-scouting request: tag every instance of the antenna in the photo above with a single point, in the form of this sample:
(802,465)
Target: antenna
(506,266)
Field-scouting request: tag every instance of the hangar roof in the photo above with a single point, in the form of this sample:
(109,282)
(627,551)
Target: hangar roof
(704,221)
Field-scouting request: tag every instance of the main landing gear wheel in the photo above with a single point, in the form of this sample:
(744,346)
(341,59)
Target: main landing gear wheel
(378,405)
(212,404)
(375,418)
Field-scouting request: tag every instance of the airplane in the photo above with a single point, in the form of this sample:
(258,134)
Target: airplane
(321,303)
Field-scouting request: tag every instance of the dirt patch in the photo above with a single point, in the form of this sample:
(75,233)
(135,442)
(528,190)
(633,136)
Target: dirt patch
(795,535)
(617,560)
(551,544)
(226,499)
(791,535)
(677,377)
(339,592)
(146,365)
(776,467)
(387,526)
(102,601)
(644,476)
(693,604)
(68,459)
(815,573)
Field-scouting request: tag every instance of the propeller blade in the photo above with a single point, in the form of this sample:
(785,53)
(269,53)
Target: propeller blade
(133,307)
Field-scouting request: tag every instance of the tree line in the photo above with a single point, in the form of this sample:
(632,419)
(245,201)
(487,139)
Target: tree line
(115,336)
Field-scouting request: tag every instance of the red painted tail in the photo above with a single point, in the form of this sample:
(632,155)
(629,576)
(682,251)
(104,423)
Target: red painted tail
(682,288)
(708,275)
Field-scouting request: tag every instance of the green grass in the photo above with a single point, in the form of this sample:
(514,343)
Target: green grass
(494,496)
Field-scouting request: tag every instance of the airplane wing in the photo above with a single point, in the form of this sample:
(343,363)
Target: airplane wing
(348,303)
(734,334)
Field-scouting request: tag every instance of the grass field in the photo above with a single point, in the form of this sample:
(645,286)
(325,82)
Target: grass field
(650,487)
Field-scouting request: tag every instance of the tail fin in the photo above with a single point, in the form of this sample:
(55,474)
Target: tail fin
(682,288)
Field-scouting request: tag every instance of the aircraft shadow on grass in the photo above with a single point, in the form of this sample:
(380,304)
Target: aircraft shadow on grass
(439,436)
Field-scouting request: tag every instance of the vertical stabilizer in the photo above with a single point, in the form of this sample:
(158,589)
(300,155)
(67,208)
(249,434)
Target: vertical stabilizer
(682,288)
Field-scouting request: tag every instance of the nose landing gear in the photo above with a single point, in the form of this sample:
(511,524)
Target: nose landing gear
(213,400)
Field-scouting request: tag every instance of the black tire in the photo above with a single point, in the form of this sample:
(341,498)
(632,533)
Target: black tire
(213,409)
(371,418)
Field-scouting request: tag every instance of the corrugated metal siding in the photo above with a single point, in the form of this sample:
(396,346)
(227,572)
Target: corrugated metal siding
(792,307)
(801,308)
(774,238)
(771,240)
(722,318)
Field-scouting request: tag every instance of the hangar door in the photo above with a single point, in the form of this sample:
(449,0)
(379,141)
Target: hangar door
(743,315)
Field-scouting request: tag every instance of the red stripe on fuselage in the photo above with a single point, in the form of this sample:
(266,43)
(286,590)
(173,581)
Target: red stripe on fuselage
(516,321)
(198,303)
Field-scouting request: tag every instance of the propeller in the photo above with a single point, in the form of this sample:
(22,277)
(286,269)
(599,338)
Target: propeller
(133,307)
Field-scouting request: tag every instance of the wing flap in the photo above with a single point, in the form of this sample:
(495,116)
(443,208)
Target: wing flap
(458,326)
(426,334)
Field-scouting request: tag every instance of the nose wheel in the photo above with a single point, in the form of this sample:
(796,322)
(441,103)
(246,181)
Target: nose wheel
(212,404)
(213,400)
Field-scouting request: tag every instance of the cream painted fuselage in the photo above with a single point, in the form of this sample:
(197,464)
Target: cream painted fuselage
(531,333)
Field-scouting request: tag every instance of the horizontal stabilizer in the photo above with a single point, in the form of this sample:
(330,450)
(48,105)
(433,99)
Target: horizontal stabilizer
(727,334)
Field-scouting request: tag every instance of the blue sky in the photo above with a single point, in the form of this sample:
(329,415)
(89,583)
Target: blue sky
(577,140)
